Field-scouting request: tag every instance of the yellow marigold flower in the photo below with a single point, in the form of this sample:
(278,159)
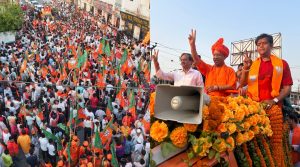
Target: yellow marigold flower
(220,147)
(179,137)
(239,114)
(190,127)
(250,135)
(247,125)
(239,139)
(245,109)
(205,146)
(231,128)
(230,141)
(269,132)
(246,137)
(159,131)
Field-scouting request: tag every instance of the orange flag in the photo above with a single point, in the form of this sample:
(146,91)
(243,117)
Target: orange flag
(23,66)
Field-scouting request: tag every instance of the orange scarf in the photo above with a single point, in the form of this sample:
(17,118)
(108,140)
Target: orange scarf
(253,89)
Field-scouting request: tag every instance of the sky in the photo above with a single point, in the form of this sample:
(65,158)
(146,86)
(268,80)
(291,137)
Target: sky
(172,21)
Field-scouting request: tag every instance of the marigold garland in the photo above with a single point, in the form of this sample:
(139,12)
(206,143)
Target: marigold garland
(276,120)
(245,150)
(268,151)
(179,137)
(190,127)
(263,151)
(258,152)
(159,131)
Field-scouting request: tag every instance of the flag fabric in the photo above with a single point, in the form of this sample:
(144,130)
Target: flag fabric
(98,142)
(101,46)
(72,63)
(114,161)
(23,65)
(131,100)
(82,59)
(109,108)
(124,57)
(107,49)
(69,151)
(49,135)
(100,82)
(63,127)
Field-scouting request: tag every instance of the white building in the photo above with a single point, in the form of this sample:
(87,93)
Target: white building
(130,15)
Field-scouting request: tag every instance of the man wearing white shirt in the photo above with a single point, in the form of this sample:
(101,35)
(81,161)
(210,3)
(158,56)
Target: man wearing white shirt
(51,152)
(43,144)
(186,76)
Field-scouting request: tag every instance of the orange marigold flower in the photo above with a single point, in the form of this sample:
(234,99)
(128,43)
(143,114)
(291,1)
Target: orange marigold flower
(190,127)
(205,112)
(206,126)
(159,131)
(179,137)
(256,129)
(222,128)
(250,135)
(230,141)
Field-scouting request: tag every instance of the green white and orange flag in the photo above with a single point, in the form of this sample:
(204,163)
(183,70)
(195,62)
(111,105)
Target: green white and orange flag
(98,142)
(114,161)
(107,49)
(109,108)
(101,46)
(82,59)
(132,104)
(124,57)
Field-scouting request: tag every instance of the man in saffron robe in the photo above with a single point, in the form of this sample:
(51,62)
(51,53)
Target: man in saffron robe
(269,81)
(218,77)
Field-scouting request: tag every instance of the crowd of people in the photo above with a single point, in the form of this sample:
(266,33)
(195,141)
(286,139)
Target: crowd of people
(74,91)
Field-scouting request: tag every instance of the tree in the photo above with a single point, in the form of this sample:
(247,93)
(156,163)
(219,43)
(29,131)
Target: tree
(11,18)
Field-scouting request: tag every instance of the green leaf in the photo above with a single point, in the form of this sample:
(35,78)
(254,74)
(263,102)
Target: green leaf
(218,157)
(167,148)
(211,153)
(191,155)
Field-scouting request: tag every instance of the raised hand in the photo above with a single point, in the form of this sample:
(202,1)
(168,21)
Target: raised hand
(192,37)
(247,61)
(155,56)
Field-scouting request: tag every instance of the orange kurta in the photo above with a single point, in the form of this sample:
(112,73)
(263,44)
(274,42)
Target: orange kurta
(217,76)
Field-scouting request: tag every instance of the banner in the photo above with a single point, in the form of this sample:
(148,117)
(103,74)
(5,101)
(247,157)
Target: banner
(142,23)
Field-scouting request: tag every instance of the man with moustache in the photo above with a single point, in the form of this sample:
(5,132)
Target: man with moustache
(187,76)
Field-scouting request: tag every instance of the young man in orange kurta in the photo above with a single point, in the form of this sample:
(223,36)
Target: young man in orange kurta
(218,77)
